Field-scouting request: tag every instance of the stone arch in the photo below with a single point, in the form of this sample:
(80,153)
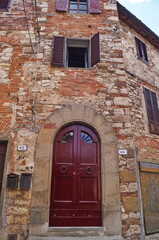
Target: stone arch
(109,168)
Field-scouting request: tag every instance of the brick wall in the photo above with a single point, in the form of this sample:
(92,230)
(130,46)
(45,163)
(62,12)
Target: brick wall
(32,90)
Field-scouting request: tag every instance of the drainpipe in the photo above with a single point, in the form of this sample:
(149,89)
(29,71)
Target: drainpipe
(142,229)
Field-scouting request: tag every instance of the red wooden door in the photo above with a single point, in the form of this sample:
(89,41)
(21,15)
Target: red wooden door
(75,192)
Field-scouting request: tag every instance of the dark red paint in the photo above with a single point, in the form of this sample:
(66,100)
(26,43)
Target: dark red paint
(75,191)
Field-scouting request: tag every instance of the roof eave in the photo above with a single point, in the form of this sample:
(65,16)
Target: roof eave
(133,22)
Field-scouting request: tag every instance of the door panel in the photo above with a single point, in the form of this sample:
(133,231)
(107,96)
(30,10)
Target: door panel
(88,194)
(150,196)
(63,184)
(75,192)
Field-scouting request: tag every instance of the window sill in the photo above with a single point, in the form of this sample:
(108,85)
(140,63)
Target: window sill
(77,68)
(143,60)
(4,9)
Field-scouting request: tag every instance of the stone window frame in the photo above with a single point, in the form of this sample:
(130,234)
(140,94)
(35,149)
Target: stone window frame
(3,191)
(111,214)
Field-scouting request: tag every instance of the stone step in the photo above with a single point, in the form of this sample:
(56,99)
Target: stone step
(77,238)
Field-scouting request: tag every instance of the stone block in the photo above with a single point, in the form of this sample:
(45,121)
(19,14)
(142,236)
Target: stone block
(39,216)
(55,119)
(105,128)
(113,223)
(76,112)
(88,114)
(130,203)
(98,120)
(112,202)
(109,138)
(121,101)
(127,176)
(41,198)
(65,113)
(43,150)
(112,188)
(45,135)
(110,158)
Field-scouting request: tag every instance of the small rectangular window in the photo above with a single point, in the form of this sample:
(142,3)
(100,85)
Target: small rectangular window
(78,6)
(70,52)
(152,110)
(141,50)
(77,53)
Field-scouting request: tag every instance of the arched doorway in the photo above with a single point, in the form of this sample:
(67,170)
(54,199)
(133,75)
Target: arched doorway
(40,205)
(76,175)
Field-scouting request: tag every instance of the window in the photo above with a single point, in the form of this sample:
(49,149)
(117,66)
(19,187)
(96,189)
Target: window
(4,4)
(141,50)
(77,53)
(3,147)
(70,52)
(152,110)
(78,6)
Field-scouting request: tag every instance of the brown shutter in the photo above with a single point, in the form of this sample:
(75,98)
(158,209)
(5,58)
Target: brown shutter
(58,51)
(94,6)
(145,52)
(95,49)
(4,4)
(139,54)
(155,111)
(62,5)
(152,110)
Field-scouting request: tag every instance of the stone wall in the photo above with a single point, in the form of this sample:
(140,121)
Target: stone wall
(139,75)
(32,90)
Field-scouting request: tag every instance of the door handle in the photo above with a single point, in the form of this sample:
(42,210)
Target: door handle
(89,170)
(63,169)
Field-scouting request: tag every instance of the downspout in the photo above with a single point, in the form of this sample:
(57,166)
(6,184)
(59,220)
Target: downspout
(142,229)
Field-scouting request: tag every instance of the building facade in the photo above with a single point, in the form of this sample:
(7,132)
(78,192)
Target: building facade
(79,122)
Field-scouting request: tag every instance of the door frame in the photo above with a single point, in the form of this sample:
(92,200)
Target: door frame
(76,113)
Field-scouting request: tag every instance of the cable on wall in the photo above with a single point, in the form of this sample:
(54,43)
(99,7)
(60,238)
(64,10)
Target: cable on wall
(27,24)
(33,107)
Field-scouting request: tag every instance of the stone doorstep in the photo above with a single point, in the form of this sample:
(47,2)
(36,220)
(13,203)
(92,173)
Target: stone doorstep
(77,238)
(152,237)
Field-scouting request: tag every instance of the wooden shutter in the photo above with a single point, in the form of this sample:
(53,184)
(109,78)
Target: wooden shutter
(58,51)
(3,148)
(152,110)
(155,111)
(95,49)
(149,175)
(138,49)
(4,4)
(144,52)
(94,6)
(62,5)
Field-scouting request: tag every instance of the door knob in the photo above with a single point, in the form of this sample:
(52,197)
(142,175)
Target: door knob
(89,170)
(63,169)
